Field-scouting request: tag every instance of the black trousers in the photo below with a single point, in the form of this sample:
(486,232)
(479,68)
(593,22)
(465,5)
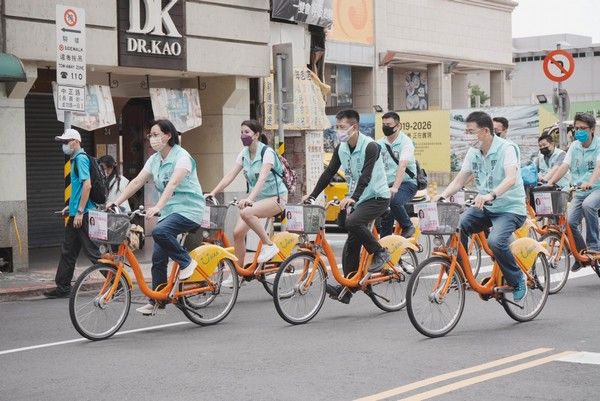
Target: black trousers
(357,224)
(75,239)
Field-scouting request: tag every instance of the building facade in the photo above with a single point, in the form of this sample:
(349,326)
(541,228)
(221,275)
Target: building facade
(222,48)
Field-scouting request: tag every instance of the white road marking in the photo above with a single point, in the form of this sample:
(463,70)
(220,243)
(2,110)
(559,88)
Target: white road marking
(77,340)
(591,358)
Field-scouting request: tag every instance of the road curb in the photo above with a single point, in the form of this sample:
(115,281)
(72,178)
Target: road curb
(15,294)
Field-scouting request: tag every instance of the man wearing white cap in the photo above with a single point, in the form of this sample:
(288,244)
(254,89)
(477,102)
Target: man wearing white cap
(76,230)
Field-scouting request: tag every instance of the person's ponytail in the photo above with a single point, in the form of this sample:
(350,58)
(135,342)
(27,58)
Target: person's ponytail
(263,138)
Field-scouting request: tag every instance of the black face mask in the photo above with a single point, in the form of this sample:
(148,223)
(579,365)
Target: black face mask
(387,131)
(545,151)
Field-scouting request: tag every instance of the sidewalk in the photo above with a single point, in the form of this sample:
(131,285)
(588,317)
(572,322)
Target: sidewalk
(42,268)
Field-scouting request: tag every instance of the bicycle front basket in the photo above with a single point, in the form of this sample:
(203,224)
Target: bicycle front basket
(108,228)
(307,219)
(550,203)
(438,218)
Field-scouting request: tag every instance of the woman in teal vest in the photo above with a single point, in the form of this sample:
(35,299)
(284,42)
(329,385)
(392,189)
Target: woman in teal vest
(267,194)
(181,203)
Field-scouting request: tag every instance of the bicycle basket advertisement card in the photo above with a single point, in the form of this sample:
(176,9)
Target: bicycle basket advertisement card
(543,202)
(458,197)
(205,223)
(428,216)
(98,225)
(294,216)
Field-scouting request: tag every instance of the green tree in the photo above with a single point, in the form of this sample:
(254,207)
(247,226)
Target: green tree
(475,90)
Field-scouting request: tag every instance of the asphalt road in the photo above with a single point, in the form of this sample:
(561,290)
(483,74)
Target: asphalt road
(346,352)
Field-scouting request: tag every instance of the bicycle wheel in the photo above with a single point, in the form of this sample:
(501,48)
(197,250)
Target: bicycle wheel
(432,315)
(93,315)
(537,292)
(214,304)
(390,295)
(475,254)
(295,303)
(560,265)
(425,245)
(267,280)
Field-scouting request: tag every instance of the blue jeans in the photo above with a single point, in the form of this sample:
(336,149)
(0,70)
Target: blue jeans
(166,246)
(475,220)
(585,205)
(404,195)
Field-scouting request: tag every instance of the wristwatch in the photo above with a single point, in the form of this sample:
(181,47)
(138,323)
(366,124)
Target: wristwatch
(494,196)
(79,211)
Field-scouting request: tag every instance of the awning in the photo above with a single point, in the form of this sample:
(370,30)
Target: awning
(11,69)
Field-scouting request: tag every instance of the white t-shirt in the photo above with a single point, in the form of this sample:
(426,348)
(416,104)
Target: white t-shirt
(183,162)
(568,157)
(268,158)
(510,160)
(115,188)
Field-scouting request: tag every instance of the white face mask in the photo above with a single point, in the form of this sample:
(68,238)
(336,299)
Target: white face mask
(156,143)
(66,148)
(343,134)
(476,143)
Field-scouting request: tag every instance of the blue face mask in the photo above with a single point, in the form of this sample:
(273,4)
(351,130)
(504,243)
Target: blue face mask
(582,135)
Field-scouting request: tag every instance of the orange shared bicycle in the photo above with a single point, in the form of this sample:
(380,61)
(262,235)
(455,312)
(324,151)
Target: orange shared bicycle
(300,284)
(101,297)
(436,290)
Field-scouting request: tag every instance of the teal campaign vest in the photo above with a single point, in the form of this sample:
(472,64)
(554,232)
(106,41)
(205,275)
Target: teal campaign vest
(489,173)
(583,163)
(390,165)
(352,163)
(273,186)
(545,167)
(187,200)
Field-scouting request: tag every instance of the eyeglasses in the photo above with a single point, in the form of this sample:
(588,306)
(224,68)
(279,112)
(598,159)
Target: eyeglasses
(473,132)
(154,135)
(580,128)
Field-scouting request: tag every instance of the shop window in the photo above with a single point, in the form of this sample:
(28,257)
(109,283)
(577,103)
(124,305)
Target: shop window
(340,80)
(6,261)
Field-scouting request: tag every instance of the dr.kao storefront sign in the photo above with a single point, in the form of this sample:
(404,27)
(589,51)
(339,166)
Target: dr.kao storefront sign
(152,34)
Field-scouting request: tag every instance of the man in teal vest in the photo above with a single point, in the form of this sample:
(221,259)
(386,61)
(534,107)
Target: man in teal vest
(583,160)
(549,159)
(360,157)
(494,164)
(398,153)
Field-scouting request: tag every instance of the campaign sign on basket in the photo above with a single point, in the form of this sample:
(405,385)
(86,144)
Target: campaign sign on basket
(550,203)
(214,217)
(308,219)
(438,218)
(108,228)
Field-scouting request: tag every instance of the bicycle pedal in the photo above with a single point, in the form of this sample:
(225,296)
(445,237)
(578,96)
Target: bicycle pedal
(364,280)
(504,289)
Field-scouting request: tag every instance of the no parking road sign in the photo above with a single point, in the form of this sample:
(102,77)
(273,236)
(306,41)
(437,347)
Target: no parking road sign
(559,65)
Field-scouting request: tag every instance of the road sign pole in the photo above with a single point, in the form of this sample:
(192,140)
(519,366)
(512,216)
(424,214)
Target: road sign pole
(562,129)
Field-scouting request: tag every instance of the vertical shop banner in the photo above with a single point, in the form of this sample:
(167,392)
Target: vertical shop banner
(429,131)
(180,106)
(523,129)
(98,112)
(415,87)
(314,157)
(309,105)
(352,21)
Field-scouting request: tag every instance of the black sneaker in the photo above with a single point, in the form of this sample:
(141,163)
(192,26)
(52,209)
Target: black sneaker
(408,232)
(334,293)
(56,293)
(576,266)
(380,258)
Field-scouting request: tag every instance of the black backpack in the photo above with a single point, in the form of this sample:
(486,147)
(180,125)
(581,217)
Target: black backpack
(99,191)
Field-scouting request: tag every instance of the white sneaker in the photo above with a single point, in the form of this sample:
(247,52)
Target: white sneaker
(186,273)
(148,310)
(267,253)
(228,282)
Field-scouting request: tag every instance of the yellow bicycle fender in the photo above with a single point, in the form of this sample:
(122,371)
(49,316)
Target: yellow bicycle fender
(208,257)
(526,250)
(397,245)
(286,242)
(112,263)
(523,232)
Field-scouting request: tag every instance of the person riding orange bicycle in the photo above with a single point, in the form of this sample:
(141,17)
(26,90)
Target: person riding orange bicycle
(369,193)
(583,160)
(495,165)
(267,195)
(181,203)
